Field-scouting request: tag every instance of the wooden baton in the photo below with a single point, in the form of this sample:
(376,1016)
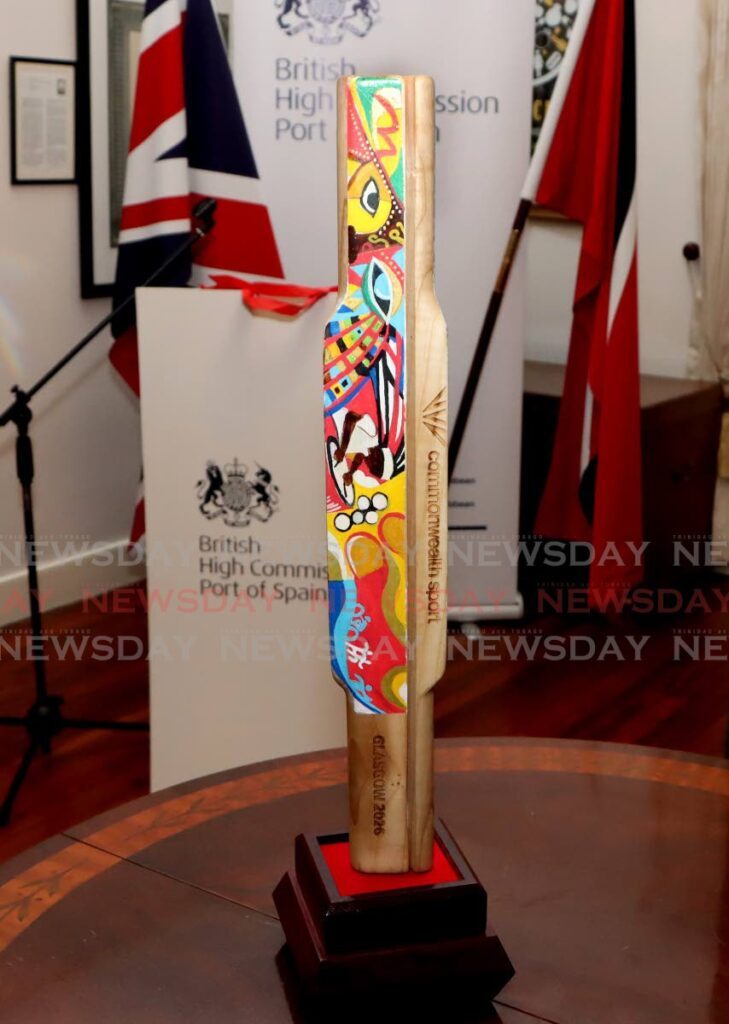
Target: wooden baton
(385,397)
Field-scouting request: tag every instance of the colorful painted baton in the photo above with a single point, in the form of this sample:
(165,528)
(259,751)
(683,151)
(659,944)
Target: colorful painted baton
(386,465)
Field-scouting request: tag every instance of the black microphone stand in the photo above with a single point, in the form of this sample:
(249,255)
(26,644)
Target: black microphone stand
(44,719)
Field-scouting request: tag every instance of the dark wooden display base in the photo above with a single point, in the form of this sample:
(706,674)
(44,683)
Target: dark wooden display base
(407,939)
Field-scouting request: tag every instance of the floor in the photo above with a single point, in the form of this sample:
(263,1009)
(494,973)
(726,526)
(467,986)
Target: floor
(87,772)
(657,678)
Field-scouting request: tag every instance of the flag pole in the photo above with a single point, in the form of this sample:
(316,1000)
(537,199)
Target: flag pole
(487,332)
(526,202)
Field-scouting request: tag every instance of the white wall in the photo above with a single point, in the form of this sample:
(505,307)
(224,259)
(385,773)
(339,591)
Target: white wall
(668,139)
(86,427)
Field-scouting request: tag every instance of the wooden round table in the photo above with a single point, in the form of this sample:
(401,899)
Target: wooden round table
(606,868)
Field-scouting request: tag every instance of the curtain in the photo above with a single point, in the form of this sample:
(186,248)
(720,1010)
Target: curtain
(709,351)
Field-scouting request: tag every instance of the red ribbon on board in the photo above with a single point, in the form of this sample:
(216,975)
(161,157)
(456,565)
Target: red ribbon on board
(273,297)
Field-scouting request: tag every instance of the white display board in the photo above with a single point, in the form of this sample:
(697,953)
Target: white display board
(286,58)
(238,676)
(239,662)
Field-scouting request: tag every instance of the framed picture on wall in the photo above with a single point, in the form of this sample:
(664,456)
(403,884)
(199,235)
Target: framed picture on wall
(42,121)
(109,41)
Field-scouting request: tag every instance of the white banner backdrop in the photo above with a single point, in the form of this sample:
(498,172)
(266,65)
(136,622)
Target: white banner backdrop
(234,498)
(286,56)
(239,664)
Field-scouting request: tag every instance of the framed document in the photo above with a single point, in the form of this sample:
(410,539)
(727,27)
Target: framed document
(109,40)
(42,121)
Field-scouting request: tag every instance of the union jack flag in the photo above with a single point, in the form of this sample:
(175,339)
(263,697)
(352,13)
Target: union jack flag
(188,141)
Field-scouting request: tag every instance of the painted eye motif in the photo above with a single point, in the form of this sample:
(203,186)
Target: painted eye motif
(370,198)
(377,289)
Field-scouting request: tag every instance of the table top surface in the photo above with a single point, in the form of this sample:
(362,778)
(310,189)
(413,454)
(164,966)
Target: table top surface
(606,866)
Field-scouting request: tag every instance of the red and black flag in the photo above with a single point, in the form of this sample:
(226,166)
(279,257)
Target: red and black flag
(585,169)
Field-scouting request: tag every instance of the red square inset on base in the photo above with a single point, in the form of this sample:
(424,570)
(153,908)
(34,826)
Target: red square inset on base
(350,882)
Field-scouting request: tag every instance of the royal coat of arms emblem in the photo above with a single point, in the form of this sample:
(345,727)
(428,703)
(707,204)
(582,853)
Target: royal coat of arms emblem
(327,21)
(229,495)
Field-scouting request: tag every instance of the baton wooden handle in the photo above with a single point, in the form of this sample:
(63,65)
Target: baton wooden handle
(378,766)
(427,489)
